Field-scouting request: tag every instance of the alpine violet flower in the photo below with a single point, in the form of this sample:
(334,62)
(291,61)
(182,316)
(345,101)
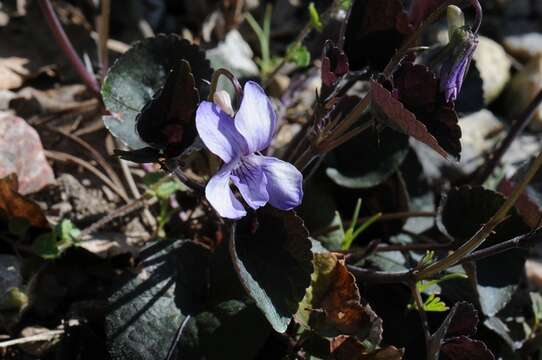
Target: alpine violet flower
(454,69)
(260,179)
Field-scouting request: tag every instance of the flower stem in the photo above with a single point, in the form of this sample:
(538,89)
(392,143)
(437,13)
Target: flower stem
(233,80)
(67,47)
(486,230)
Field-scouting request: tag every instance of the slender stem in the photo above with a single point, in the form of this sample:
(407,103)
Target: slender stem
(173,346)
(65,157)
(67,47)
(381,277)
(233,80)
(423,316)
(521,242)
(517,128)
(103,36)
(486,230)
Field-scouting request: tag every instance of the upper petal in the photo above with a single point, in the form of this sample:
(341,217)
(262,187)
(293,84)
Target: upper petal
(218,133)
(251,182)
(220,196)
(255,119)
(284,182)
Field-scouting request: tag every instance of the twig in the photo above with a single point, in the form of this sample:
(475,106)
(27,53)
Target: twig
(486,230)
(120,212)
(45,336)
(517,128)
(64,157)
(173,346)
(103,36)
(423,316)
(67,47)
(97,156)
(112,44)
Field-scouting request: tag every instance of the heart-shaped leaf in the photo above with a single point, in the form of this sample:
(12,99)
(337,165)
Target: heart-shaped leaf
(462,212)
(452,339)
(379,25)
(272,256)
(143,316)
(166,122)
(138,74)
(376,156)
(394,113)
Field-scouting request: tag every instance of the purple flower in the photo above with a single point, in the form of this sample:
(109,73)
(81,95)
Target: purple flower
(259,179)
(459,56)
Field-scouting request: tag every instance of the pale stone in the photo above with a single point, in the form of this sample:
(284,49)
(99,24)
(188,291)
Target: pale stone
(494,66)
(522,90)
(524,46)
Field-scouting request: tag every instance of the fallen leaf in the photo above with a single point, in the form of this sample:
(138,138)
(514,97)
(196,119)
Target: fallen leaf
(332,305)
(21,152)
(17,206)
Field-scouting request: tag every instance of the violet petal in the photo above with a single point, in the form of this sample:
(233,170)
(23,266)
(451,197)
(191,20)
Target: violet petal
(218,133)
(255,119)
(284,182)
(220,196)
(251,181)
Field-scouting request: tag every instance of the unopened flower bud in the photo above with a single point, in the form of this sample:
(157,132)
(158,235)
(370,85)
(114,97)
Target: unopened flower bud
(457,61)
(223,100)
(456,19)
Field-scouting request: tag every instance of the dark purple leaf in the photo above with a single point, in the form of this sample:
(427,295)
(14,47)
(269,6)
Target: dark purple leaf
(376,29)
(465,348)
(334,63)
(167,121)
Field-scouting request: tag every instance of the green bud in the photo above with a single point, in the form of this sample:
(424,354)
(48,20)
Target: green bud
(456,19)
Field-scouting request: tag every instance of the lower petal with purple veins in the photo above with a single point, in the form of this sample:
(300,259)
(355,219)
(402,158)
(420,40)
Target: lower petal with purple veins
(251,181)
(220,196)
(284,182)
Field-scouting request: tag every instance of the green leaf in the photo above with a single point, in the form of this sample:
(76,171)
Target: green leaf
(319,212)
(143,315)
(316,22)
(272,256)
(232,329)
(368,159)
(299,55)
(140,72)
(45,246)
(66,231)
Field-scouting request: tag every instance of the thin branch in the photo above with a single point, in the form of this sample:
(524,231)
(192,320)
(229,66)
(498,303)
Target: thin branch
(65,157)
(97,156)
(517,128)
(67,47)
(44,336)
(103,36)
(423,316)
(486,230)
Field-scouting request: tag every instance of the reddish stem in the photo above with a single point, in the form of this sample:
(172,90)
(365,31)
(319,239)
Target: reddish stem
(67,47)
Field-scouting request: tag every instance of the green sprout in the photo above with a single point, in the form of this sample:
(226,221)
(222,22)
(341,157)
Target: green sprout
(353,232)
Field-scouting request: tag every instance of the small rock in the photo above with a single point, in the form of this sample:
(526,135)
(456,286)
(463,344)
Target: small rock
(494,66)
(476,137)
(524,46)
(522,90)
